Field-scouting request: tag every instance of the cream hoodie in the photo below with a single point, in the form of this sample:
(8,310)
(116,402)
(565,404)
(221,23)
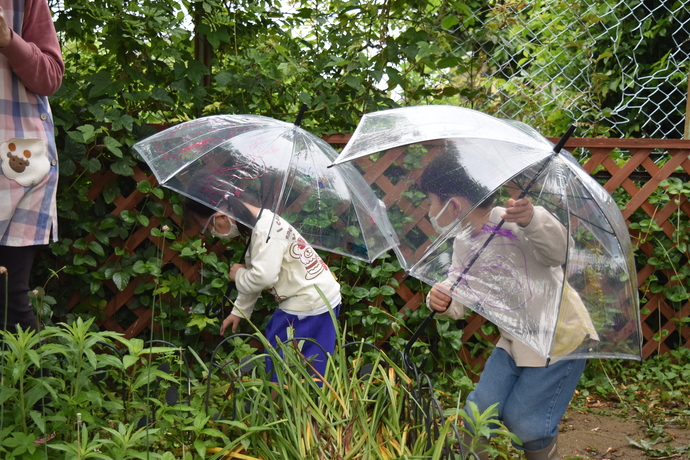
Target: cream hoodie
(288,267)
(520,276)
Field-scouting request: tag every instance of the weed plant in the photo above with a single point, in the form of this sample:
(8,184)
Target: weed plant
(71,391)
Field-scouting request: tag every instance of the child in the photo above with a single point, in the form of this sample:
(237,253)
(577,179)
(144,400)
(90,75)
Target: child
(532,395)
(279,260)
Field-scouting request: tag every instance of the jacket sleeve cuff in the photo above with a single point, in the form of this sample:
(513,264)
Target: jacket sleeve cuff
(536,223)
(244,306)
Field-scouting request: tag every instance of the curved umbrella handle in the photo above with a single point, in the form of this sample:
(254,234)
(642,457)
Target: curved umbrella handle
(213,314)
(413,339)
(219,311)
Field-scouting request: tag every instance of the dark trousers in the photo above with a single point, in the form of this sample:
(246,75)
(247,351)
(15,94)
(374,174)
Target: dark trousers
(14,286)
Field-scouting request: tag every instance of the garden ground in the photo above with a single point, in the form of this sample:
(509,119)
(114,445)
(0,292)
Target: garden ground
(600,429)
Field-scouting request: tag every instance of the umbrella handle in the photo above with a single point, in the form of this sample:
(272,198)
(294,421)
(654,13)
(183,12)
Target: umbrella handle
(213,314)
(415,336)
(219,311)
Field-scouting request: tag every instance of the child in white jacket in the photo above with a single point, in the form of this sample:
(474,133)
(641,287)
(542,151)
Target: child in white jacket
(279,260)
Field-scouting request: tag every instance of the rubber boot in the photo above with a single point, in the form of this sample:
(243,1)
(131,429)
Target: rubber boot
(549,452)
(481,453)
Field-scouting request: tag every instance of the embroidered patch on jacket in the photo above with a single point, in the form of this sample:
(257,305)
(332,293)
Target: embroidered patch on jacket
(25,160)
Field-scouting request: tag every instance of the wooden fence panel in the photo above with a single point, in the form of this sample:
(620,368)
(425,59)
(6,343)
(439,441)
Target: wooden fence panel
(635,166)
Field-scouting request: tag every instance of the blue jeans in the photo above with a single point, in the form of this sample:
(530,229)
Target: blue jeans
(531,400)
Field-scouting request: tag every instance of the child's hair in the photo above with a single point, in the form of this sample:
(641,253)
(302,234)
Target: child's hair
(445,177)
(213,188)
(243,217)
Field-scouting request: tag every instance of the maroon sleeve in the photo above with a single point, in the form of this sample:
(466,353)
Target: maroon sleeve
(35,56)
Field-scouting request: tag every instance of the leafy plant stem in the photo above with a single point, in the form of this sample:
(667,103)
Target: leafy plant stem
(4,341)
(618,395)
(78,435)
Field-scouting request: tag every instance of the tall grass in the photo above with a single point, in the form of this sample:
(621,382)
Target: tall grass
(111,398)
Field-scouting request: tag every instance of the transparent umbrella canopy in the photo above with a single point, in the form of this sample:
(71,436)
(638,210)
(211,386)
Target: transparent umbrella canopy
(565,284)
(278,166)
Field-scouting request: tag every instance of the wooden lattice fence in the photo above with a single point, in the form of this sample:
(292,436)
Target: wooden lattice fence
(629,168)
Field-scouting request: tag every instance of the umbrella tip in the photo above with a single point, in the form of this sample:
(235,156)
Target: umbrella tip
(301,114)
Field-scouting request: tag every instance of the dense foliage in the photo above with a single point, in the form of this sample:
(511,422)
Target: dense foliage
(133,66)
(71,392)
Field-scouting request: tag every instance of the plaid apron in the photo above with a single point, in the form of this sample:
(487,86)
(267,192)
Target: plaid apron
(28,157)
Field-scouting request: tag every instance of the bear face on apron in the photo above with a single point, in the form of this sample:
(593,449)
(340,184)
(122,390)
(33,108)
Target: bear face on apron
(24,160)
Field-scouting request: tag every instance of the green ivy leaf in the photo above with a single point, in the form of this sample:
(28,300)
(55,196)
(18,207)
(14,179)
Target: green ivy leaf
(201,321)
(449,22)
(113,146)
(128,216)
(102,82)
(162,95)
(140,267)
(91,165)
(111,192)
(97,248)
(387,291)
(121,279)
(123,167)
(80,244)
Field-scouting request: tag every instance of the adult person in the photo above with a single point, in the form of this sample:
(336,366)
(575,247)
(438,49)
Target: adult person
(31,69)
(532,394)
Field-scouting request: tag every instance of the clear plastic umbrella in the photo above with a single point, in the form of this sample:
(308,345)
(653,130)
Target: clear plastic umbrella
(565,285)
(275,165)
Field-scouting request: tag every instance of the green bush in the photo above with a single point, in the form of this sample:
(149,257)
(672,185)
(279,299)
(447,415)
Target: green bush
(98,395)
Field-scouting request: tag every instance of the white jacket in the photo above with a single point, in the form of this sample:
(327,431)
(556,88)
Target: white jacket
(288,267)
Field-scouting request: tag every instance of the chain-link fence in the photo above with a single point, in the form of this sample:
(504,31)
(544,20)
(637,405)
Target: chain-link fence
(618,68)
